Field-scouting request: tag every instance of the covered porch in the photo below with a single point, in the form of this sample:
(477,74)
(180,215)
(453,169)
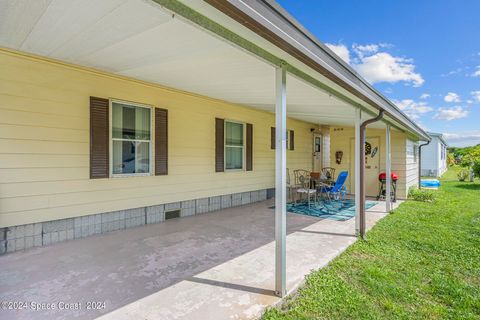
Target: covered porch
(218,265)
(200,61)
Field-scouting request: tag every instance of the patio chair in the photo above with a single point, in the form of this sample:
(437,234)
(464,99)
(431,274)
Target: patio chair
(291,187)
(329,173)
(302,178)
(338,190)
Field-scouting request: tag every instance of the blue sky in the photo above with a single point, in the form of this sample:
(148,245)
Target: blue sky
(423,55)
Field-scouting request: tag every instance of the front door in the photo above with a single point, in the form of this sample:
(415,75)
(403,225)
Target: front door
(317,152)
(372,165)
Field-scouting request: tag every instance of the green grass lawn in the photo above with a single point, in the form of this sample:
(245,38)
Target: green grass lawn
(420,262)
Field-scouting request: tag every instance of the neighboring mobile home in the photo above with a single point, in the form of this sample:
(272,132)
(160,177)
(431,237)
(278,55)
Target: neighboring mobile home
(434,156)
(117,114)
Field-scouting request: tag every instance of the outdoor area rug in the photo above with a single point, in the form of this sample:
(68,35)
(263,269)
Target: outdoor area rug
(333,210)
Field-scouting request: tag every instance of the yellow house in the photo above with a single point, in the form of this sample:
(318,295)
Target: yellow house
(130,113)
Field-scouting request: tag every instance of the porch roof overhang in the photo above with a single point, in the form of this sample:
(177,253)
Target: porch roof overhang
(269,20)
(225,50)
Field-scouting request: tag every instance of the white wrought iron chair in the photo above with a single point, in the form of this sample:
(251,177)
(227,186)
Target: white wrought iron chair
(291,187)
(302,178)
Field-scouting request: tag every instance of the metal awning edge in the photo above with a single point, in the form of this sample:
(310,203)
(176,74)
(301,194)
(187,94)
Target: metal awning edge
(236,9)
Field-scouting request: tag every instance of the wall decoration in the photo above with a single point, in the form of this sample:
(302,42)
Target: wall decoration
(368,148)
(338,157)
(374,152)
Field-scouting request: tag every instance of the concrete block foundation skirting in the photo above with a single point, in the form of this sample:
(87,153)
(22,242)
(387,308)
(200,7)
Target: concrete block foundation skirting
(17,238)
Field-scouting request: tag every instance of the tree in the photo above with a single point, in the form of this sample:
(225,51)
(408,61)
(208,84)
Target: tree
(470,158)
(476,169)
(450,159)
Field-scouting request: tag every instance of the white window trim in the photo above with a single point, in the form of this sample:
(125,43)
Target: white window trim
(225,145)
(111,139)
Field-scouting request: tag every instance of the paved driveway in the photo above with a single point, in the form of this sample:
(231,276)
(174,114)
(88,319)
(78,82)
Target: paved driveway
(215,265)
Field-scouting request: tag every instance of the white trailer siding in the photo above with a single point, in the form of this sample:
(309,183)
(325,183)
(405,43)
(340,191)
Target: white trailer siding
(434,157)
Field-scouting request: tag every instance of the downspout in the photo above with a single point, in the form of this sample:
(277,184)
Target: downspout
(420,163)
(363,127)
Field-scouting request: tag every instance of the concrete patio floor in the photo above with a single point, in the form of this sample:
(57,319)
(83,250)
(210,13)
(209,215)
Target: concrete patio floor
(218,265)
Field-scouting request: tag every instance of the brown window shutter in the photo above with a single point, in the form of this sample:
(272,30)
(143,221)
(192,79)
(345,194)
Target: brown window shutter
(99,138)
(272,138)
(292,140)
(249,152)
(161,142)
(219,145)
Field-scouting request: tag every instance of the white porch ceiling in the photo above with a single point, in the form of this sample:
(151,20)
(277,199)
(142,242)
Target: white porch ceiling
(139,39)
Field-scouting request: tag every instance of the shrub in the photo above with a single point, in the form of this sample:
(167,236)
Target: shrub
(451,159)
(462,175)
(476,168)
(470,157)
(423,195)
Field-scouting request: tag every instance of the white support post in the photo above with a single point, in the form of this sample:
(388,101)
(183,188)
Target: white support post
(358,122)
(280,181)
(388,160)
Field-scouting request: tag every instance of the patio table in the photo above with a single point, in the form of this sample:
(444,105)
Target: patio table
(319,183)
(322,182)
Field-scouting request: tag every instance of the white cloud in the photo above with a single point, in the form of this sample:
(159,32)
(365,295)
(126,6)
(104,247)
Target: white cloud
(376,65)
(453,72)
(462,139)
(413,109)
(452,97)
(476,73)
(476,95)
(362,50)
(340,50)
(383,67)
(425,96)
(452,113)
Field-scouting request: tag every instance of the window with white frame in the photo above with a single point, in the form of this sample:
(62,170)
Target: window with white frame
(234,145)
(130,139)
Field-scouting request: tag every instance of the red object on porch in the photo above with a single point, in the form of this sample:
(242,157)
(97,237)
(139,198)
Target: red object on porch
(383,176)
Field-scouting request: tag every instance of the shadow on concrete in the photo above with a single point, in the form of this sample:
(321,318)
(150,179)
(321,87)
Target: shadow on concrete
(127,265)
(233,286)
(329,233)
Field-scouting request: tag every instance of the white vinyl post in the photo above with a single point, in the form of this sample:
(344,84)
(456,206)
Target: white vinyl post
(280,181)
(388,160)
(358,122)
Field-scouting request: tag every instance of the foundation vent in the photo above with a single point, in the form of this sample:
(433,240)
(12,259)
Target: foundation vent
(172,214)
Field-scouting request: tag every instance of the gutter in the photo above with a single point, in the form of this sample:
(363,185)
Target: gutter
(363,127)
(420,163)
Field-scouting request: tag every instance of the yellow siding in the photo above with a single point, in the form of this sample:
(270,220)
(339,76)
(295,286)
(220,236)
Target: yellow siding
(340,141)
(44,144)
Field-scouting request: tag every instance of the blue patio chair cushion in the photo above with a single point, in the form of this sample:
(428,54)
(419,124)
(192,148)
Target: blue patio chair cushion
(339,185)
